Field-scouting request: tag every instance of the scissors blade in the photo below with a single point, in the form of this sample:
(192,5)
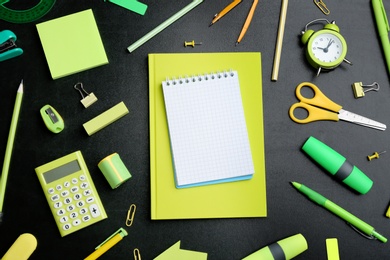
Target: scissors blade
(360,120)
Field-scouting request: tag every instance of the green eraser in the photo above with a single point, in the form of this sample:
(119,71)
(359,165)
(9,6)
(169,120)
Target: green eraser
(22,248)
(106,118)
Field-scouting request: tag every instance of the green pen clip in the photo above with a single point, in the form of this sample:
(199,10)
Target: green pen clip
(52,119)
(122,232)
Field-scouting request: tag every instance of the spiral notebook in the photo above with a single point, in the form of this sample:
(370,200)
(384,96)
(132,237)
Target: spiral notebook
(207,129)
(237,199)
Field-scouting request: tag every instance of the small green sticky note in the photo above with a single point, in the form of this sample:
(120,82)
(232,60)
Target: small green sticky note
(332,249)
(72,44)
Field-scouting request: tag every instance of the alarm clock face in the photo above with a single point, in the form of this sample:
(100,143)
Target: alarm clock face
(327,49)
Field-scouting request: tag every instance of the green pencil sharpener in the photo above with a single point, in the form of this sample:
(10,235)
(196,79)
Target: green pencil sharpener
(114,170)
(337,165)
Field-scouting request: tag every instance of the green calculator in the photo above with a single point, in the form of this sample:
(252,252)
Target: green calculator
(70,192)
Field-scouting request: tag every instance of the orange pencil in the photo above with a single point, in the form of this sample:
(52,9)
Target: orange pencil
(224,11)
(247,21)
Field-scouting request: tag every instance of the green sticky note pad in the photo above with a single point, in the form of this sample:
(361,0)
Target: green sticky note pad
(72,44)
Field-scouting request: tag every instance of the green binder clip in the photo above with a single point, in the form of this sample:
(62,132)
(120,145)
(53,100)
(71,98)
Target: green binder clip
(8,48)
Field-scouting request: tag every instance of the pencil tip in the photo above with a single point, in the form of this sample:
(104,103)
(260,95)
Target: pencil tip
(210,24)
(20,89)
(237,43)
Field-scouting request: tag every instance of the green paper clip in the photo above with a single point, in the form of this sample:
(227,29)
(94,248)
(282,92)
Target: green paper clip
(8,48)
(132,5)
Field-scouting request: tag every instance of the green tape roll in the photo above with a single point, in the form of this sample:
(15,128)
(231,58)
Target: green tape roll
(114,170)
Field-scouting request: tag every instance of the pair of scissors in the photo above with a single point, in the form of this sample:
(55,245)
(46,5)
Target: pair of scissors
(320,107)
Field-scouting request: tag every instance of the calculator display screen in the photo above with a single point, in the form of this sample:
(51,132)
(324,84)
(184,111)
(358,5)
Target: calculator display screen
(61,171)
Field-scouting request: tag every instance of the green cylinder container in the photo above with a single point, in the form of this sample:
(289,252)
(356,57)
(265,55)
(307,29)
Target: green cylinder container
(337,165)
(114,170)
(284,249)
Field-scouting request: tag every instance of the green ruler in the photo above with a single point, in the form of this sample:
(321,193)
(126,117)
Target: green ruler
(25,16)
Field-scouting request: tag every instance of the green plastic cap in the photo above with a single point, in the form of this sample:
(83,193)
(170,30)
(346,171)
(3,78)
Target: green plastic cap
(337,165)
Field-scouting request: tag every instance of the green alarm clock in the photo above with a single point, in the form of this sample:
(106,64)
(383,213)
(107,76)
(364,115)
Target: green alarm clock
(325,49)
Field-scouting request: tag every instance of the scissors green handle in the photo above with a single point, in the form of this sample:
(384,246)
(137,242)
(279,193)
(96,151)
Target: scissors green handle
(319,107)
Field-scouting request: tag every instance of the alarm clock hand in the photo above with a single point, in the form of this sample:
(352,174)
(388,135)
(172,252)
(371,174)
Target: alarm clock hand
(330,43)
(327,47)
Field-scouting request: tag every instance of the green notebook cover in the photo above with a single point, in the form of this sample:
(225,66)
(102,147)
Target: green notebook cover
(228,200)
(72,44)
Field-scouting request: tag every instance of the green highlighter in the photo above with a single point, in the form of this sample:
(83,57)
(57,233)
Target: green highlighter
(284,249)
(337,165)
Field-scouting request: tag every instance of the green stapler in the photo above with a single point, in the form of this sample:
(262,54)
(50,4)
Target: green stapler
(8,48)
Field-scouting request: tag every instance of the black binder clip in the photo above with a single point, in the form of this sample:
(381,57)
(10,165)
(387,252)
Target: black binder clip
(8,48)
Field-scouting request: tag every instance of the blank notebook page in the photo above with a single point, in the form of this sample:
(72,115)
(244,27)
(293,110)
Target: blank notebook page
(207,129)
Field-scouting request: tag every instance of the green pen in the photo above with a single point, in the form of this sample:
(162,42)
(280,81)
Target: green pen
(339,211)
(383,28)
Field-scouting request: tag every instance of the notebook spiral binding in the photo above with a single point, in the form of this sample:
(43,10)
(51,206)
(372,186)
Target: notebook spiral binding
(199,78)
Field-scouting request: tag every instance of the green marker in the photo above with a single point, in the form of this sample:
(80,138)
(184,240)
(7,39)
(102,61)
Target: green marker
(339,211)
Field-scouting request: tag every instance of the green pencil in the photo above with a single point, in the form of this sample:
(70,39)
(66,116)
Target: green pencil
(10,144)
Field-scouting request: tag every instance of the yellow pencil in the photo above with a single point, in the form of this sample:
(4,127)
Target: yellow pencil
(247,21)
(279,41)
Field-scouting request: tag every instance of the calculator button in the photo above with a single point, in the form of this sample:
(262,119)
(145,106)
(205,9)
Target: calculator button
(75,180)
(67,200)
(84,185)
(90,200)
(67,184)
(83,211)
(73,215)
(57,204)
(77,196)
(76,222)
(74,189)
(70,208)
(60,212)
(86,218)
(64,219)
(82,178)
(50,190)
(67,226)
(80,203)
(55,197)
(59,187)
(65,193)
(94,210)
(87,192)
